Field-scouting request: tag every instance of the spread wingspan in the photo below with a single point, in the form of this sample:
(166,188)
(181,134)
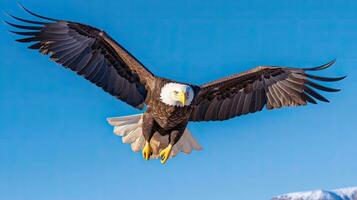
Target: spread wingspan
(90,53)
(251,91)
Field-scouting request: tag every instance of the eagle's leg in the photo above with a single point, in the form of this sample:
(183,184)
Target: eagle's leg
(165,153)
(147,151)
(148,132)
(174,137)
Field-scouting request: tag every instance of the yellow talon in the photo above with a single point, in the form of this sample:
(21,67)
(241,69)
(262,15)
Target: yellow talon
(165,154)
(147,151)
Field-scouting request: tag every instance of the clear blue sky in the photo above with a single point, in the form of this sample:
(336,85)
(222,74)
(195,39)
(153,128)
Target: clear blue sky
(55,142)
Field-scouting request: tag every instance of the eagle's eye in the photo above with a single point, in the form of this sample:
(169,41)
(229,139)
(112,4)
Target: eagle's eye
(175,92)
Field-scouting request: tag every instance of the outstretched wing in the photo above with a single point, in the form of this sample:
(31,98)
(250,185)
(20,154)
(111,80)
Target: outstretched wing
(91,53)
(250,91)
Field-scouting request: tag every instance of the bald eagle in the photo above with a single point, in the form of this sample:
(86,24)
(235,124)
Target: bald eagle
(160,132)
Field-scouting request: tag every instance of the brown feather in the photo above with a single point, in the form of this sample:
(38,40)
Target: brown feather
(90,53)
(250,91)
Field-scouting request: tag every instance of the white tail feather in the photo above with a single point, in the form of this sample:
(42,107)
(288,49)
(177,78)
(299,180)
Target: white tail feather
(130,128)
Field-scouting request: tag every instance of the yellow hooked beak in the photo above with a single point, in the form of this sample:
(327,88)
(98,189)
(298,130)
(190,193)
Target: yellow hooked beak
(182,97)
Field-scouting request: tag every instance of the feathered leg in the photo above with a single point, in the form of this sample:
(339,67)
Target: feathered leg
(148,131)
(174,137)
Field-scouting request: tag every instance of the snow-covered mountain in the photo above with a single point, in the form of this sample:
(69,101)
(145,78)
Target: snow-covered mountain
(340,194)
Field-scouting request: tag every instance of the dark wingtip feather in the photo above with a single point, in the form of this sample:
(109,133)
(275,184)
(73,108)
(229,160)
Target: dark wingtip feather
(30,39)
(23,27)
(25,33)
(308,98)
(327,65)
(9,23)
(34,14)
(341,78)
(35,46)
(315,94)
(25,20)
(321,87)
(326,79)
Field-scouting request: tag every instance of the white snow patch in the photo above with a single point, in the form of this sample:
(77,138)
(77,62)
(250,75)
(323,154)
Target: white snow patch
(339,194)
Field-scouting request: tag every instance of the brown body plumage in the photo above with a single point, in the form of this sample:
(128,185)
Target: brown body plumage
(93,54)
(166,116)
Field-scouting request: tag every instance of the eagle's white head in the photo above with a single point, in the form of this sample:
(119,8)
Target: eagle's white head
(176,94)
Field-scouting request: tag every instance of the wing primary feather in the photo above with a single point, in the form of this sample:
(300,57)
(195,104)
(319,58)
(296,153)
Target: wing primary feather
(308,98)
(320,87)
(24,27)
(30,39)
(327,65)
(326,79)
(34,33)
(27,21)
(35,46)
(34,14)
(315,94)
